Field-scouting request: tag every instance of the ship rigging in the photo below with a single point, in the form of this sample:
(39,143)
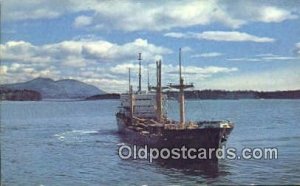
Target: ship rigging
(143,119)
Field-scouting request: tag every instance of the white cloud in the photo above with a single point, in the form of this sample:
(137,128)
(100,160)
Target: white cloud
(169,71)
(13,10)
(297,49)
(232,36)
(176,35)
(264,58)
(221,36)
(186,49)
(123,68)
(278,58)
(270,14)
(208,70)
(270,80)
(132,15)
(112,77)
(20,72)
(23,61)
(265,55)
(80,52)
(244,59)
(173,69)
(210,54)
(150,15)
(3,70)
(82,21)
(21,51)
(108,85)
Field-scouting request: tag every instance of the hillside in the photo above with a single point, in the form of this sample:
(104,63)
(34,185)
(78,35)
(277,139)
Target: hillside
(61,89)
(19,95)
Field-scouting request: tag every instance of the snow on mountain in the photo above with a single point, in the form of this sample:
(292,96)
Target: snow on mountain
(61,89)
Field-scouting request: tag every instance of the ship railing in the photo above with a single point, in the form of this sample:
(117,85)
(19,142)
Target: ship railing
(215,124)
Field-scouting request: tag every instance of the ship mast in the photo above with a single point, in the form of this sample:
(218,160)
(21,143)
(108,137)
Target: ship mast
(181,88)
(140,73)
(181,94)
(148,80)
(129,79)
(130,95)
(159,92)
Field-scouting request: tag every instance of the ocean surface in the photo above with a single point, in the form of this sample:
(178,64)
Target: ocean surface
(76,143)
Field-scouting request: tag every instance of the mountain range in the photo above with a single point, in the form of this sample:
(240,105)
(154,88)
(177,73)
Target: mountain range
(61,89)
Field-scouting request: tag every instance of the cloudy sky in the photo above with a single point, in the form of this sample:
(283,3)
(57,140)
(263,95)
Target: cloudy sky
(226,44)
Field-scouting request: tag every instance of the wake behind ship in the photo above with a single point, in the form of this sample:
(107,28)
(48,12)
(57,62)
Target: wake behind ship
(143,120)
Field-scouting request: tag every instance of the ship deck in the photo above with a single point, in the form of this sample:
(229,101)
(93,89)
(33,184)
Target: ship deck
(167,124)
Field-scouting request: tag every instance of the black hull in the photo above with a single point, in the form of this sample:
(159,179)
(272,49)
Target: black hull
(207,138)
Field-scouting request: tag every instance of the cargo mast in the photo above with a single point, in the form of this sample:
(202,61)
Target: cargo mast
(140,73)
(181,88)
(181,94)
(148,80)
(159,92)
(130,95)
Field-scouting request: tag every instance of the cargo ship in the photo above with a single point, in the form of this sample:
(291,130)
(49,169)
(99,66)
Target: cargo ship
(143,120)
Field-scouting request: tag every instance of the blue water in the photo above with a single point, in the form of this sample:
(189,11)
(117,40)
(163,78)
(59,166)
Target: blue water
(64,143)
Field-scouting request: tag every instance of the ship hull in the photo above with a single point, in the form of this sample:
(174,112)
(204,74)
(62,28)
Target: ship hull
(200,138)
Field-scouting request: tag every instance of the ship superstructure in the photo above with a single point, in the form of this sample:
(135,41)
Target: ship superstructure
(143,119)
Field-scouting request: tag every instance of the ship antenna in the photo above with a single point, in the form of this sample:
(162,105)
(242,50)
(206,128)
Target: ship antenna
(181,94)
(148,80)
(129,78)
(130,95)
(140,75)
(159,92)
(180,66)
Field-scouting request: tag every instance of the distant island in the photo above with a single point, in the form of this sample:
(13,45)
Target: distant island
(219,94)
(19,95)
(104,96)
(46,88)
(240,94)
